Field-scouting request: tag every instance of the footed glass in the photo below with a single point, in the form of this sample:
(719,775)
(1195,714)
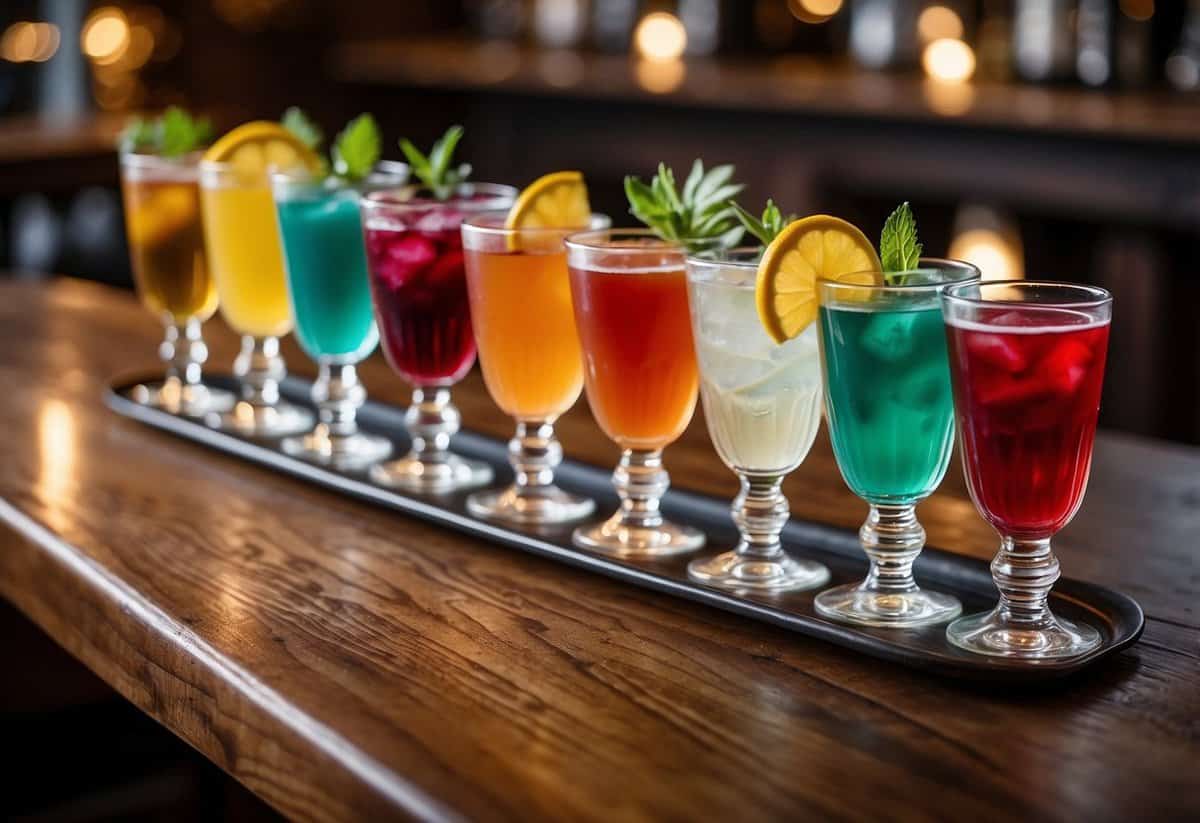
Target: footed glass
(629,293)
(166,251)
(762,402)
(1027,361)
(891,420)
(242,238)
(529,353)
(419,292)
(330,296)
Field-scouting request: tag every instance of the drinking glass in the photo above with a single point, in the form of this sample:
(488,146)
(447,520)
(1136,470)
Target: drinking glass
(529,353)
(326,266)
(629,293)
(891,420)
(419,291)
(242,237)
(1027,362)
(762,402)
(166,250)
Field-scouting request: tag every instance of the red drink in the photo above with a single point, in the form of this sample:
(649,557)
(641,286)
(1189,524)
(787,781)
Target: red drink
(418,283)
(1027,394)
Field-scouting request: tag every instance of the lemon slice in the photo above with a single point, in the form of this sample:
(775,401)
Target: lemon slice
(556,201)
(254,148)
(808,249)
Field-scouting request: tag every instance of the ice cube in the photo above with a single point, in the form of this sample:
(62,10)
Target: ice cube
(997,350)
(400,260)
(889,335)
(439,221)
(1065,367)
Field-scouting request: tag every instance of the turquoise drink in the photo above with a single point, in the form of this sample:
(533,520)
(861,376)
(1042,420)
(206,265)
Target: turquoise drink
(326,266)
(890,410)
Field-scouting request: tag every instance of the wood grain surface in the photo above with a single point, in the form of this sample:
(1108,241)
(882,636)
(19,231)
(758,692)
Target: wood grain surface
(346,662)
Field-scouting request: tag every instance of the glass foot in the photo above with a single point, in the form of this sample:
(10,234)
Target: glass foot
(276,420)
(989,633)
(732,570)
(543,506)
(853,604)
(617,537)
(453,473)
(196,400)
(342,452)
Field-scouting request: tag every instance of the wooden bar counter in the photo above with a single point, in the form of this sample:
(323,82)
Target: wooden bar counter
(345,662)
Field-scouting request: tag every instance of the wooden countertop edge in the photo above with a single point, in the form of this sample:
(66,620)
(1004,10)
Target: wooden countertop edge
(94,611)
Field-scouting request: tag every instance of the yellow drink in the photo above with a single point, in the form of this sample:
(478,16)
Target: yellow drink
(525,330)
(244,253)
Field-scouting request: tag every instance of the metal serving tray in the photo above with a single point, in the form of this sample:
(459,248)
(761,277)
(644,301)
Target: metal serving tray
(1116,615)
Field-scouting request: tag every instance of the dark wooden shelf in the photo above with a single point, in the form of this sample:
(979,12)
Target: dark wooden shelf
(791,84)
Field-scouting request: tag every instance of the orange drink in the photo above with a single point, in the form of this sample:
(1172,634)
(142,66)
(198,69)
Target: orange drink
(529,352)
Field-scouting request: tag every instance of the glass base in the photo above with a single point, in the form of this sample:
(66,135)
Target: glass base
(451,474)
(346,452)
(545,505)
(192,401)
(616,537)
(853,604)
(988,633)
(277,420)
(747,573)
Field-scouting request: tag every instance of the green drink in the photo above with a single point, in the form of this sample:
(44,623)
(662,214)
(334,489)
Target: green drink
(890,408)
(891,418)
(327,273)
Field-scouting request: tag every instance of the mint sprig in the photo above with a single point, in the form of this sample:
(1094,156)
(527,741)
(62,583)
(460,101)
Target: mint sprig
(356,149)
(435,169)
(700,216)
(768,226)
(174,134)
(299,124)
(899,250)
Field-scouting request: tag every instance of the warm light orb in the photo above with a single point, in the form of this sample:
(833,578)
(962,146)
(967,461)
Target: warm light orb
(949,60)
(1139,10)
(25,42)
(994,254)
(814,11)
(660,76)
(939,22)
(660,36)
(105,35)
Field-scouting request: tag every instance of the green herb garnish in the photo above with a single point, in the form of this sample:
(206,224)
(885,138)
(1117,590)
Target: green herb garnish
(434,169)
(899,250)
(356,149)
(766,228)
(174,134)
(699,217)
(299,124)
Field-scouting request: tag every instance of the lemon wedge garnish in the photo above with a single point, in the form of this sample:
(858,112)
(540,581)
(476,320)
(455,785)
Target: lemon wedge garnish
(556,201)
(814,247)
(254,148)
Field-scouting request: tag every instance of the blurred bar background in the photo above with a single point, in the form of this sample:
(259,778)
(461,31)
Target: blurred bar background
(1042,138)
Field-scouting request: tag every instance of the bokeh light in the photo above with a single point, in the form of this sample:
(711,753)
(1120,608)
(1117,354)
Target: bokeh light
(1138,9)
(660,36)
(949,60)
(105,37)
(660,76)
(26,42)
(939,22)
(814,11)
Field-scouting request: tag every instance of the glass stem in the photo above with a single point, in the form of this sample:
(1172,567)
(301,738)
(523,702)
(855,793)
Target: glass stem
(431,420)
(183,351)
(1025,571)
(338,394)
(260,367)
(760,512)
(534,453)
(892,538)
(641,481)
